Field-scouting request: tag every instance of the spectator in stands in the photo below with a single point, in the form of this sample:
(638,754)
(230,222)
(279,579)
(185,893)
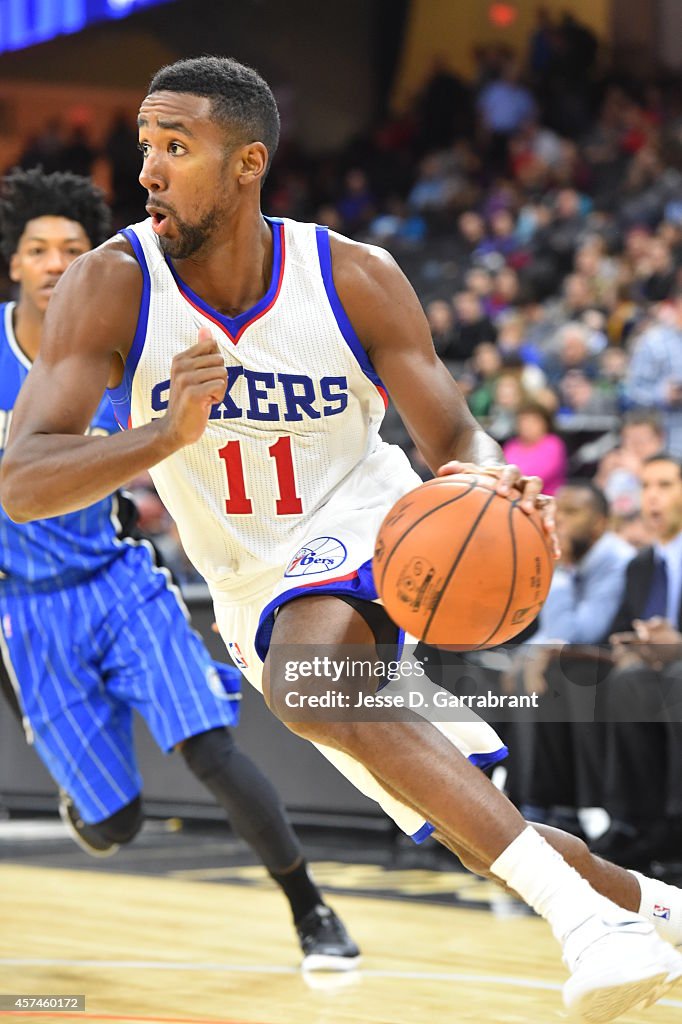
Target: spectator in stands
(561,753)
(566,228)
(641,700)
(619,473)
(444,107)
(471,327)
(536,449)
(609,383)
(541,46)
(632,529)
(571,349)
(593,264)
(481,282)
(536,153)
(436,187)
(501,242)
(576,299)
(397,224)
(654,379)
(441,318)
(471,230)
(624,313)
(657,272)
(506,292)
(581,396)
(485,367)
(356,204)
(512,340)
(508,397)
(503,105)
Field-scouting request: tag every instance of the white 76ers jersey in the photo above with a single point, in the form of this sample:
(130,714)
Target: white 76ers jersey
(301,411)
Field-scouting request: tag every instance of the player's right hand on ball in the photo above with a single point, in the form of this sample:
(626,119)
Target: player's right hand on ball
(198,380)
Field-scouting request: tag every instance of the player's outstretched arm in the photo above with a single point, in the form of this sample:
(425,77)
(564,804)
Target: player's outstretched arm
(49,467)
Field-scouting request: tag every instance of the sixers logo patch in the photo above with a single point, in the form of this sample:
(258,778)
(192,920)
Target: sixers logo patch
(321,555)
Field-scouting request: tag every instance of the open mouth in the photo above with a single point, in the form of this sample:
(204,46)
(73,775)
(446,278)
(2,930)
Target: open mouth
(159,221)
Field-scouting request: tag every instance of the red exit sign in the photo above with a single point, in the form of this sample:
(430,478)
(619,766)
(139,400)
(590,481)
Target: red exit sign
(502,13)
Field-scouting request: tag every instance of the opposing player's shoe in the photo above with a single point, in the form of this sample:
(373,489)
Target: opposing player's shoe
(83,834)
(326,944)
(616,965)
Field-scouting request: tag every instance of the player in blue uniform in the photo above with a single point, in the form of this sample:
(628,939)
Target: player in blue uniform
(91,628)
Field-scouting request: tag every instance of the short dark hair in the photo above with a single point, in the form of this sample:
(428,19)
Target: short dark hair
(537,409)
(239,96)
(598,499)
(644,418)
(664,457)
(25,195)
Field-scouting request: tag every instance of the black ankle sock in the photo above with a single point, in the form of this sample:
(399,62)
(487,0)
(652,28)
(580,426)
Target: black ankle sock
(299,889)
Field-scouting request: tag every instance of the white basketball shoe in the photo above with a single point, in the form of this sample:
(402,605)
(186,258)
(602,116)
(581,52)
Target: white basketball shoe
(616,965)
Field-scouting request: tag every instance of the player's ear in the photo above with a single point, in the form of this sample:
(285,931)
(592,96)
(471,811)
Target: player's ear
(14,272)
(253,162)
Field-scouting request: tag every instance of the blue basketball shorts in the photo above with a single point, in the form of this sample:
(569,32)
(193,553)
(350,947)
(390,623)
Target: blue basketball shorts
(83,658)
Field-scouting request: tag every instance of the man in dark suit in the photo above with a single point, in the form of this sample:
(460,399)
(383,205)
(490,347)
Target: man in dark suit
(641,700)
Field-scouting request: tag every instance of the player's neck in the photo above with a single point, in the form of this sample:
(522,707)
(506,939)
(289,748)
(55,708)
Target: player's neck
(28,326)
(236,274)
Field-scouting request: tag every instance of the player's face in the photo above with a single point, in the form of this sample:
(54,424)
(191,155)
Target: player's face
(186,171)
(577,521)
(662,499)
(46,248)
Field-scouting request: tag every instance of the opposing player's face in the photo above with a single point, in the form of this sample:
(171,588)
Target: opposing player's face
(186,171)
(662,499)
(46,248)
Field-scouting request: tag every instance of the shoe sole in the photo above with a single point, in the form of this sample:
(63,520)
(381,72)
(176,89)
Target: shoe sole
(322,962)
(607,1002)
(78,839)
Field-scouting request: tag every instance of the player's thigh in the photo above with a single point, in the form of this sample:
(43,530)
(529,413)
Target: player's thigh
(162,667)
(81,733)
(323,625)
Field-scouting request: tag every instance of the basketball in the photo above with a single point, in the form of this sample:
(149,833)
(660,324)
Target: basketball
(461,567)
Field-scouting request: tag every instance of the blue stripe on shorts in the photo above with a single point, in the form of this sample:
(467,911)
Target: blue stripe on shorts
(87,655)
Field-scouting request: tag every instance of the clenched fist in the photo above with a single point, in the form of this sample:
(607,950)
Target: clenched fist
(198,380)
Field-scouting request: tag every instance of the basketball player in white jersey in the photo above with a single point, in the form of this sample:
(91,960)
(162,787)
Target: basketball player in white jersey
(249,358)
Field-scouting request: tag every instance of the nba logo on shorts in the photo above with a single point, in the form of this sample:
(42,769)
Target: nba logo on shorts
(236,655)
(215,684)
(662,912)
(320,555)
(7,626)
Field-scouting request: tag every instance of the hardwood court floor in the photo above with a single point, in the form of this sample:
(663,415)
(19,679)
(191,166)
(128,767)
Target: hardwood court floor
(146,949)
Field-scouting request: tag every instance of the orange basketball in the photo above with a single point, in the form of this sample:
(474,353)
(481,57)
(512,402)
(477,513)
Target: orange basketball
(461,567)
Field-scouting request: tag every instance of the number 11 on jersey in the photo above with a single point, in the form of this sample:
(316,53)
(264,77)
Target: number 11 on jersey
(238,504)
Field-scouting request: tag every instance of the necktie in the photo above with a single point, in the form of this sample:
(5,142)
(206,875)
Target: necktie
(657,601)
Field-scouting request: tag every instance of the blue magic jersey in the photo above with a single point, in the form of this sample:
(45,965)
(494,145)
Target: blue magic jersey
(56,552)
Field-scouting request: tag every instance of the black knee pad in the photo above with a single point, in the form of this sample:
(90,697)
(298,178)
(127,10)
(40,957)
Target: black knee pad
(208,752)
(122,826)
